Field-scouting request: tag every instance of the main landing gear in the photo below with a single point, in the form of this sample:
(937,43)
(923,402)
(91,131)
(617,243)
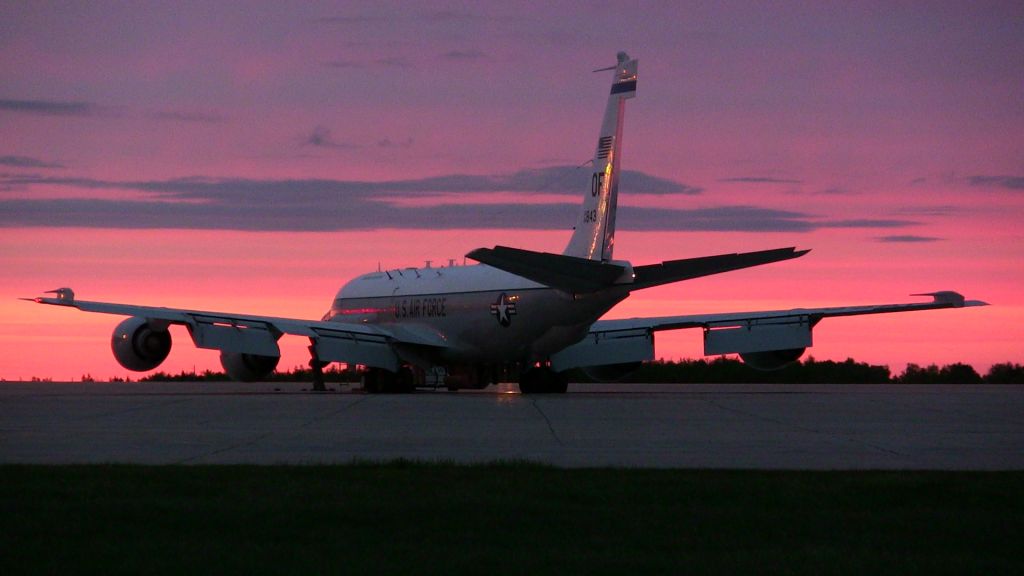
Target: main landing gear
(543,380)
(316,366)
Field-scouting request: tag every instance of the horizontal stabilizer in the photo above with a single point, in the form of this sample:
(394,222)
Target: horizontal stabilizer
(568,273)
(676,270)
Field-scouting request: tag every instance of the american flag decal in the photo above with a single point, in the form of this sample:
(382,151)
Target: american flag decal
(604,146)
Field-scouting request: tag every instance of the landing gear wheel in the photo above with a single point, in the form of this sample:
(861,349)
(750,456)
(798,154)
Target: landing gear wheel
(543,380)
(405,381)
(372,381)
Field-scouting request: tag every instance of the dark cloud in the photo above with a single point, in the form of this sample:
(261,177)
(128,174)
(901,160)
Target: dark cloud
(555,179)
(944,210)
(27,162)
(836,191)
(754,219)
(50,107)
(323,205)
(551,180)
(1008,182)
(908,238)
(636,182)
(321,137)
(716,219)
(197,117)
(345,214)
(761,180)
(833,191)
(868,223)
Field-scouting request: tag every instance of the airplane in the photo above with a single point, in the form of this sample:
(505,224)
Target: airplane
(520,313)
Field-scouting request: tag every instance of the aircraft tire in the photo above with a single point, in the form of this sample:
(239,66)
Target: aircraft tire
(380,381)
(529,381)
(543,380)
(371,381)
(404,382)
(556,382)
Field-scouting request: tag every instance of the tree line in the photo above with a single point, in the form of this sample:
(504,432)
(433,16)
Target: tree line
(721,370)
(725,370)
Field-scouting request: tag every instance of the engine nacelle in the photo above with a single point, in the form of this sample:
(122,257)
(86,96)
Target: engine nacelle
(138,346)
(771,359)
(248,367)
(610,372)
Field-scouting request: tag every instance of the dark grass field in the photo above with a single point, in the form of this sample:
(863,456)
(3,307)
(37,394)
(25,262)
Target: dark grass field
(406,518)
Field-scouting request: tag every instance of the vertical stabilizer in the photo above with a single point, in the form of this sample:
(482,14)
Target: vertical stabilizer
(594,235)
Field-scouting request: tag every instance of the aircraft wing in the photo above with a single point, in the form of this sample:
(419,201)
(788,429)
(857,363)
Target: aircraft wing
(631,339)
(252,334)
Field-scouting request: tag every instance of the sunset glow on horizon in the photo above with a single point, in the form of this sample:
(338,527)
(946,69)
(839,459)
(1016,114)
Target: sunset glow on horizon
(211,159)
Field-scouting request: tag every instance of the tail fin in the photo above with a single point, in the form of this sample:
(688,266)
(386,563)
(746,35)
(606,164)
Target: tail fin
(594,235)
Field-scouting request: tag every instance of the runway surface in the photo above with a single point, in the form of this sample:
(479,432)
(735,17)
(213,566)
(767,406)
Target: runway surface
(684,426)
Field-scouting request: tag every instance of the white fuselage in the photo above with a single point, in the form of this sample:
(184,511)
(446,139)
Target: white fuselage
(482,314)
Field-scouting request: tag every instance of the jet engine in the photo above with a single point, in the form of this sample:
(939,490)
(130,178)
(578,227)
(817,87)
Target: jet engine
(138,346)
(771,359)
(248,367)
(610,372)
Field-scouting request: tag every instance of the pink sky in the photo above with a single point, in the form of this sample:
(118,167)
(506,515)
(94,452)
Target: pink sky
(252,161)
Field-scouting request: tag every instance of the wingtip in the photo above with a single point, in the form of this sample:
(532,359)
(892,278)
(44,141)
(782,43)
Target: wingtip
(952,297)
(944,296)
(64,296)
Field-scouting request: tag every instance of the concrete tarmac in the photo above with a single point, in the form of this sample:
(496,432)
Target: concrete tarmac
(665,426)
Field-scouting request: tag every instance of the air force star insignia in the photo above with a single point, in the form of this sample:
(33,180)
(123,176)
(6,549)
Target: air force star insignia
(504,309)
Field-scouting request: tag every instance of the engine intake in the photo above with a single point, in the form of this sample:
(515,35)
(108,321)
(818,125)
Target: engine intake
(248,367)
(138,346)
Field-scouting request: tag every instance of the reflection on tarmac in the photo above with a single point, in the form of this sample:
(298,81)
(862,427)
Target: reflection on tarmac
(649,425)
